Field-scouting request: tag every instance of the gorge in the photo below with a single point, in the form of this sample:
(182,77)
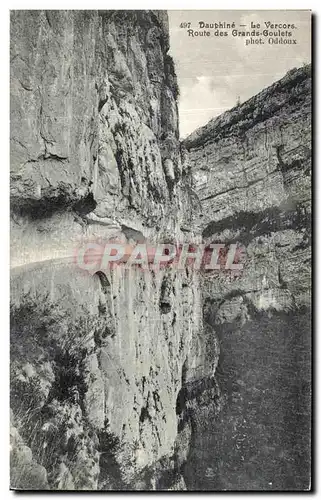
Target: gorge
(168,380)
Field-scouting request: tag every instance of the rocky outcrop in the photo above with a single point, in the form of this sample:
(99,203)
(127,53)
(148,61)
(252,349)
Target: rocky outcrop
(251,172)
(94,127)
(97,361)
(114,374)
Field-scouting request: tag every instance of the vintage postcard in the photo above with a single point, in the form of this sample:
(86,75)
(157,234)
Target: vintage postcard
(160,250)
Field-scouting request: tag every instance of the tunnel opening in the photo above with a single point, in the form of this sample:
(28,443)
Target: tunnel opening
(104,281)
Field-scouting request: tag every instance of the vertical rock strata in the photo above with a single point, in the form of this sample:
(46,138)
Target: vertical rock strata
(97,362)
(252,177)
(112,375)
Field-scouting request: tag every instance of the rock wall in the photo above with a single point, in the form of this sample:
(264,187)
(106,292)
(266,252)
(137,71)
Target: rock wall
(252,186)
(94,127)
(97,362)
(112,374)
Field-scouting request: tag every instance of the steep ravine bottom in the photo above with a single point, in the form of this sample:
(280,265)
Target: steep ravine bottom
(260,438)
(114,379)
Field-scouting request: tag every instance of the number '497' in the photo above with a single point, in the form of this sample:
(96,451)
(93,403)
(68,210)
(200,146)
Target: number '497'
(185,25)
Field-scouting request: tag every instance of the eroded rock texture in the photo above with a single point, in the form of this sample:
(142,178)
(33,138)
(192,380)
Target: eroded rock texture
(97,362)
(94,127)
(114,375)
(251,169)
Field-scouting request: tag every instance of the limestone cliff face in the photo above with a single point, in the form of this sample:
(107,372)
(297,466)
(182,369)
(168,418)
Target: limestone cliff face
(97,362)
(114,375)
(252,176)
(252,186)
(94,127)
